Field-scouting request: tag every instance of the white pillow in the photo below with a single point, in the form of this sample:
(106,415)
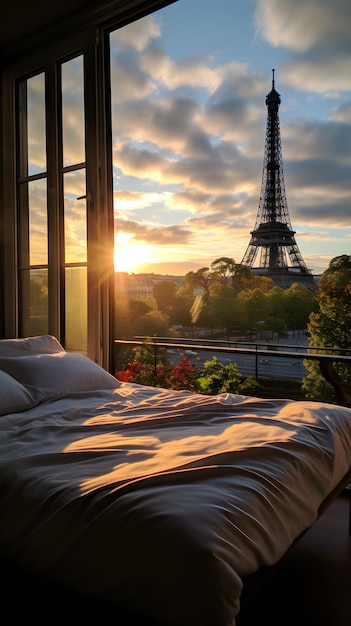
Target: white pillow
(43,344)
(51,375)
(13,396)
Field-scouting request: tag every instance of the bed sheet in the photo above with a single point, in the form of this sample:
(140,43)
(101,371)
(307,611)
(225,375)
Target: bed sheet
(161,501)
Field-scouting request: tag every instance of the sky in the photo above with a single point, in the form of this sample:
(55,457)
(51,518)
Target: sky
(189,84)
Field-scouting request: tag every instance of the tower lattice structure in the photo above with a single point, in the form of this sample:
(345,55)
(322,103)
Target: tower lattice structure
(272,240)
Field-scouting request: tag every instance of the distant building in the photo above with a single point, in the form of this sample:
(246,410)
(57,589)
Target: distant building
(141,285)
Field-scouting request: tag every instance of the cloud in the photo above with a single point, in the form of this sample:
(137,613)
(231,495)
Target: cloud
(224,169)
(141,163)
(138,34)
(320,73)
(193,72)
(317,33)
(165,122)
(128,82)
(130,202)
(312,208)
(342,113)
(161,235)
(317,169)
(306,139)
(305,24)
(202,203)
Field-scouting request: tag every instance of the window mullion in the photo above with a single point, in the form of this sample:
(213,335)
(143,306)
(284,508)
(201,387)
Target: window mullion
(99,202)
(54,199)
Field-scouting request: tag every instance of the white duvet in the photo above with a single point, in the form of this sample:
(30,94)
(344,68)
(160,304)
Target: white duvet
(155,500)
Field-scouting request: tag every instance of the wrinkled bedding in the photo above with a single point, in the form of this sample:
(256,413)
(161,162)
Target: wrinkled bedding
(155,500)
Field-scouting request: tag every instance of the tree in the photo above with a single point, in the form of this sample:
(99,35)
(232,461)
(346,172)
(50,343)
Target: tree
(256,308)
(227,272)
(180,312)
(153,323)
(330,326)
(299,303)
(123,320)
(201,279)
(276,321)
(224,269)
(164,294)
(261,282)
(220,378)
(242,278)
(138,307)
(224,310)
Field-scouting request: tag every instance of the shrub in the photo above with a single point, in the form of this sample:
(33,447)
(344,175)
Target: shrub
(220,378)
(213,378)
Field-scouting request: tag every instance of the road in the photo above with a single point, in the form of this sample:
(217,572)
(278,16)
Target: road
(267,367)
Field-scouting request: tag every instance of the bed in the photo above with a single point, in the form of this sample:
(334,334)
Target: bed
(159,503)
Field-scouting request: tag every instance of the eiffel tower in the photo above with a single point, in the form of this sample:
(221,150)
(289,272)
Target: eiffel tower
(272,240)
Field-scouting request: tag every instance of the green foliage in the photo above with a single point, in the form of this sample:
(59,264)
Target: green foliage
(139,319)
(164,293)
(330,326)
(220,378)
(224,269)
(227,296)
(152,323)
(299,302)
(138,307)
(224,309)
(340,263)
(215,377)
(200,279)
(314,385)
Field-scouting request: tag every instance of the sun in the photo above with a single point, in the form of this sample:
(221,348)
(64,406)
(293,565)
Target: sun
(128,255)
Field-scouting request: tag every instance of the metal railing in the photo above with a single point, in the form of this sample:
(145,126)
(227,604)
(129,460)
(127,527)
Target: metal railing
(322,355)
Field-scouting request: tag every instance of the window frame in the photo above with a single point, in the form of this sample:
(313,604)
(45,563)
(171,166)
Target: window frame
(99,197)
(87,34)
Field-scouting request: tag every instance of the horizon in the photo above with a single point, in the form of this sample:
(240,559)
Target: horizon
(158,271)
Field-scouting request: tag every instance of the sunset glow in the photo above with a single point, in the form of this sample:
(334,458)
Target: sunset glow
(128,256)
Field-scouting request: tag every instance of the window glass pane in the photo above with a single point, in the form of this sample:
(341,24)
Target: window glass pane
(38,223)
(36,124)
(73,137)
(34,301)
(76,309)
(75,225)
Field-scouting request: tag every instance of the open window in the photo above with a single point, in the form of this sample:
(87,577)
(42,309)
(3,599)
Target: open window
(58,243)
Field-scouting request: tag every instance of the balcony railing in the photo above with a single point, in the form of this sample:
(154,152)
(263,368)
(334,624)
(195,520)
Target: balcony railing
(325,356)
